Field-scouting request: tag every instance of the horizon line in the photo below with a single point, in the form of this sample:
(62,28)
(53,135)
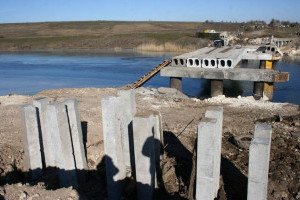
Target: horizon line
(209,21)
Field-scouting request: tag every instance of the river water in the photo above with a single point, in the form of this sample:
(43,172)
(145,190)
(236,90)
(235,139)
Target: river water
(29,73)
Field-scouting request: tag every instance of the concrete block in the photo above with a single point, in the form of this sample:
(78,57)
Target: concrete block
(112,135)
(259,156)
(41,104)
(31,141)
(144,151)
(216,112)
(77,137)
(127,111)
(205,181)
(60,132)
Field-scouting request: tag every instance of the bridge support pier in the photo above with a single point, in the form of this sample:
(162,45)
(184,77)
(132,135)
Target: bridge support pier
(244,61)
(264,89)
(216,87)
(176,82)
(268,86)
(258,87)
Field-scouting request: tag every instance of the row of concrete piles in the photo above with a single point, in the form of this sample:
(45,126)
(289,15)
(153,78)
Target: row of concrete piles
(209,142)
(133,141)
(132,144)
(52,138)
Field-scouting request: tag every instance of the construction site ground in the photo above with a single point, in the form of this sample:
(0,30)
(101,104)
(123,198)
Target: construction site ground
(180,119)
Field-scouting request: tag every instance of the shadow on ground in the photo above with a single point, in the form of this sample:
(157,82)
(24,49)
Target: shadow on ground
(95,184)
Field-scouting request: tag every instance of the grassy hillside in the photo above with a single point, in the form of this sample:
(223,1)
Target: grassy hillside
(158,36)
(104,34)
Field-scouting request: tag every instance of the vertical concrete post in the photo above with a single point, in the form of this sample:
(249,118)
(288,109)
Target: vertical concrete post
(158,144)
(268,86)
(127,112)
(216,87)
(259,156)
(114,161)
(60,132)
(144,151)
(205,185)
(258,87)
(216,112)
(158,135)
(176,82)
(263,89)
(76,136)
(41,104)
(31,141)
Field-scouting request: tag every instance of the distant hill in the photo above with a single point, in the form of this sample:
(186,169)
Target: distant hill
(156,36)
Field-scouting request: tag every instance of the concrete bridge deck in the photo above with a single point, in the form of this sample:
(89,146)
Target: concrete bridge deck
(238,74)
(218,64)
(225,57)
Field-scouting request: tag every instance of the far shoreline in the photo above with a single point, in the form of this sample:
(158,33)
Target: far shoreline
(91,51)
(86,51)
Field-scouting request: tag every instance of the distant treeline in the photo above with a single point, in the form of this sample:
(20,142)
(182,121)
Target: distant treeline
(273,23)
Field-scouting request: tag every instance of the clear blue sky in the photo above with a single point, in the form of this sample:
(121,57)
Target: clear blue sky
(143,10)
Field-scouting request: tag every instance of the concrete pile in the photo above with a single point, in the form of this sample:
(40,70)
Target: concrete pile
(209,153)
(137,136)
(259,156)
(133,140)
(131,144)
(209,157)
(52,138)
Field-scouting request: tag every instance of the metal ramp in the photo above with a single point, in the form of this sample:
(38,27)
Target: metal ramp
(147,76)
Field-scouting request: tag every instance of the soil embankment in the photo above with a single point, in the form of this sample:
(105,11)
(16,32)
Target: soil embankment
(180,117)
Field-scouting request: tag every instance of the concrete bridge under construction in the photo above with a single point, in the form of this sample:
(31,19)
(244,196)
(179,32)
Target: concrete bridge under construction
(280,42)
(218,64)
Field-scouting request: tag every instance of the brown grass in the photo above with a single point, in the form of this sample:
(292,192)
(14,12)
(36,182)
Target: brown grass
(146,36)
(166,47)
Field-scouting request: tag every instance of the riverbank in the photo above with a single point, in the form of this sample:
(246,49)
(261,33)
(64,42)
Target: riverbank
(177,111)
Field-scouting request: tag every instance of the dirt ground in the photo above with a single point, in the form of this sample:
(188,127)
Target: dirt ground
(180,118)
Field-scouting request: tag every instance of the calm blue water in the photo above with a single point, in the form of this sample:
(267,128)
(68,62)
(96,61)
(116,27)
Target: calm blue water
(29,73)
